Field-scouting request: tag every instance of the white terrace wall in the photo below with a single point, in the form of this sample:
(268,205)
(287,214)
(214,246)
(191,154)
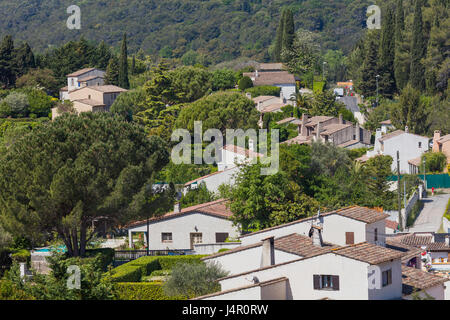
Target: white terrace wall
(249,259)
(353,278)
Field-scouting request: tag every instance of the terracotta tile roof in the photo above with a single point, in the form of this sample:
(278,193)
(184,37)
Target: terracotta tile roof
(89,78)
(414,240)
(286,120)
(242,151)
(80,72)
(90,102)
(271,78)
(387,122)
(216,208)
(298,140)
(334,127)
(415,162)
(391,224)
(438,246)
(273,107)
(363,158)
(408,251)
(367,252)
(313,121)
(444,139)
(108,88)
(259,284)
(363,214)
(414,279)
(66,88)
(391,135)
(264,98)
(349,143)
(301,245)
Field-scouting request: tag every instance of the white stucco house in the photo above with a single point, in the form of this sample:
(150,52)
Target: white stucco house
(82,78)
(410,146)
(232,155)
(213,180)
(273,74)
(201,228)
(341,254)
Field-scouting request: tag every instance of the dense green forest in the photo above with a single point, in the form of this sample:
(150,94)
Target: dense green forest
(210,31)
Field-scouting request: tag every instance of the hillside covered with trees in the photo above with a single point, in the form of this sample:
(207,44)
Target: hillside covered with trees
(208,31)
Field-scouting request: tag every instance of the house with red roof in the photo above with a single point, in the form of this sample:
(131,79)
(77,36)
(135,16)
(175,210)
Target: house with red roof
(202,228)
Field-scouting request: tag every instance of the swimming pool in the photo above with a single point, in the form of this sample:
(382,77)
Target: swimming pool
(51,249)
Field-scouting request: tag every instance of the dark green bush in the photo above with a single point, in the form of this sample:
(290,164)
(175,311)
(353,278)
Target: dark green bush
(133,271)
(141,291)
(106,256)
(245,83)
(21,255)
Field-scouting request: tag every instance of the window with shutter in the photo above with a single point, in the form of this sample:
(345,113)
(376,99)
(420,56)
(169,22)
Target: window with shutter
(316,281)
(335,283)
(349,238)
(221,237)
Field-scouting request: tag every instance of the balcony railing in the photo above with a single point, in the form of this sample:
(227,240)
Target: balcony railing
(129,255)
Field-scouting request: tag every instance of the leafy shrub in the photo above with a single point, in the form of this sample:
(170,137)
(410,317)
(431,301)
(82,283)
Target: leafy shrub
(264,91)
(141,291)
(223,250)
(434,161)
(245,83)
(223,79)
(21,255)
(133,271)
(106,256)
(9,291)
(193,280)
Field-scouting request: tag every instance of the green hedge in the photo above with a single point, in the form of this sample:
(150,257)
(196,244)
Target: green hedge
(107,256)
(141,291)
(264,91)
(133,271)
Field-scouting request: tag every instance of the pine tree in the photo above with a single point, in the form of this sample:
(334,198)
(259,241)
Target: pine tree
(288,30)
(279,38)
(123,65)
(133,65)
(401,68)
(418,48)
(386,56)
(112,72)
(103,54)
(7,63)
(24,60)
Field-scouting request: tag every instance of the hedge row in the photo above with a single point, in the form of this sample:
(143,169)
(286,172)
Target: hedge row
(134,270)
(141,291)
(264,91)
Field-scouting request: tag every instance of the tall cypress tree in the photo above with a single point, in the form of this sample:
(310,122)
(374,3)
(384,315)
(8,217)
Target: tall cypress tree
(418,49)
(288,30)
(279,38)
(386,55)
(401,69)
(7,63)
(369,68)
(123,65)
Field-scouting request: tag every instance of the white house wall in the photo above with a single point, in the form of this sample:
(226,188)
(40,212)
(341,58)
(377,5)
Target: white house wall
(181,226)
(393,290)
(249,259)
(408,146)
(253,293)
(353,278)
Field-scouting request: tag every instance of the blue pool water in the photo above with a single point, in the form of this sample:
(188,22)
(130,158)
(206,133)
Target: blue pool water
(49,249)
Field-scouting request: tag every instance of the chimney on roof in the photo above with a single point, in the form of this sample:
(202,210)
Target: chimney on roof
(248,95)
(281,96)
(447,241)
(259,105)
(303,131)
(268,252)
(357,132)
(177,207)
(341,120)
(318,131)
(436,137)
(317,236)
(256,74)
(406,129)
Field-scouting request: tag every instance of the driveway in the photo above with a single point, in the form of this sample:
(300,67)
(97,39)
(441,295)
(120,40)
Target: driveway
(430,219)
